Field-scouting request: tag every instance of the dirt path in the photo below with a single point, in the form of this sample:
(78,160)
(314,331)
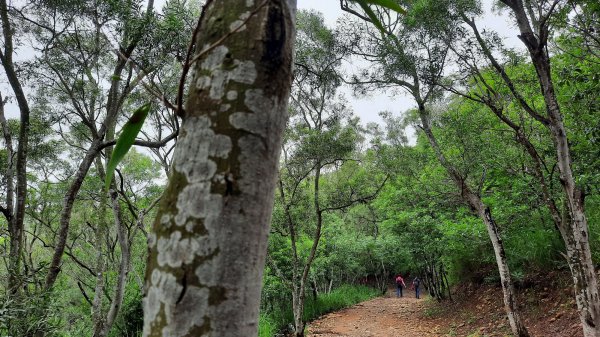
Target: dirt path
(386,316)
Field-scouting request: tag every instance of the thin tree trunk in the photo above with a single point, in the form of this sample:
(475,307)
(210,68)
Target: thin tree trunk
(577,246)
(15,225)
(8,210)
(123,238)
(578,249)
(298,298)
(17,193)
(510,300)
(208,245)
(114,104)
(575,234)
(447,284)
(315,291)
(98,317)
(65,214)
(298,311)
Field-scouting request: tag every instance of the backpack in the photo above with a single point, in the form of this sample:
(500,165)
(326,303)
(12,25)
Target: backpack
(417,282)
(399,280)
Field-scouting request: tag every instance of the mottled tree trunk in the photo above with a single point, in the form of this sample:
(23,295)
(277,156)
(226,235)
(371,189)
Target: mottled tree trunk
(17,218)
(575,237)
(17,191)
(575,233)
(510,300)
(208,246)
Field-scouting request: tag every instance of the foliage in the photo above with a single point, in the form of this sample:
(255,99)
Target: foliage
(345,296)
(126,139)
(332,194)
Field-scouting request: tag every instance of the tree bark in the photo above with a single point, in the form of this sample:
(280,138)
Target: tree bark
(300,296)
(98,318)
(209,240)
(484,212)
(65,214)
(578,250)
(575,233)
(124,244)
(16,223)
(510,299)
(8,210)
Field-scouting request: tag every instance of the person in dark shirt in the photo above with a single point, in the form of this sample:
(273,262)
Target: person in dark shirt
(416,284)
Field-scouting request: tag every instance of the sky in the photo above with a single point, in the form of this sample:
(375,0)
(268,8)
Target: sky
(367,108)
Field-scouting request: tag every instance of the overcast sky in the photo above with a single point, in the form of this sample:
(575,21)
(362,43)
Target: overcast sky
(369,107)
(366,107)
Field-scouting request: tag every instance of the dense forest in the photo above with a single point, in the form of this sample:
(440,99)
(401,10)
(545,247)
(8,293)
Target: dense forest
(254,199)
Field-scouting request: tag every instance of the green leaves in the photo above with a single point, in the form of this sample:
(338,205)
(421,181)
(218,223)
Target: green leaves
(128,133)
(389,4)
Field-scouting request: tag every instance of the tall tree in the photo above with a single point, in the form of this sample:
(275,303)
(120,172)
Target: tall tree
(89,64)
(535,21)
(16,193)
(208,245)
(406,56)
(322,135)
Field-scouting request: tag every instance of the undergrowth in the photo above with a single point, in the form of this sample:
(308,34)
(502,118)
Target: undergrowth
(273,322)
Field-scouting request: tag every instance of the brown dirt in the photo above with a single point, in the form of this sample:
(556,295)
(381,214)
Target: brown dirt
(547,303)
(379,317)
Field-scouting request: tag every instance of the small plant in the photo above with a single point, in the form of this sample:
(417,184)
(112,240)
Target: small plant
(475,334)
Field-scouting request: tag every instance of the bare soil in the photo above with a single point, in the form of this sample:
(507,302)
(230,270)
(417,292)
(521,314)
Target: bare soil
(476,310)
(379,317)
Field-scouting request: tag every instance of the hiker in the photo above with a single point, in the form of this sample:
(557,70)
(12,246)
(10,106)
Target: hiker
(399,285)
(416,283)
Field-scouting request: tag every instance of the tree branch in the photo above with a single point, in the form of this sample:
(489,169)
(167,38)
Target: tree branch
(145,143)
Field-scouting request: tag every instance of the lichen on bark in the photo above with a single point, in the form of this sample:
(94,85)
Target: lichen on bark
(209,241)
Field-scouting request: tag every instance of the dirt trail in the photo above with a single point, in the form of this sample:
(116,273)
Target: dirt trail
(386,316)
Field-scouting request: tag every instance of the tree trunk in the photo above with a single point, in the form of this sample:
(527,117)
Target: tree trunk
(123,238)
(576,240)
(209,240)
(298,298)
(65,214)
(17,193)
(510,300)
(17,218)
(98,318)
(576,235)
(113,106)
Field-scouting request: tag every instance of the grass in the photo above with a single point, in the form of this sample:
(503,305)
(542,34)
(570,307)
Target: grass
(271,323)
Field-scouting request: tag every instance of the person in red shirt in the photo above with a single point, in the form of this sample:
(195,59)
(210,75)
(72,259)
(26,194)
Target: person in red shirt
(399,285)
